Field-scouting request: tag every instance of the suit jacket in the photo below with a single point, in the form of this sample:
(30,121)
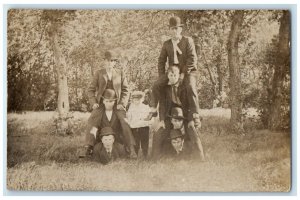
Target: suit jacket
(166,104)
(187,60)
(98,84)
(100,154)
(96,120)
(186,153)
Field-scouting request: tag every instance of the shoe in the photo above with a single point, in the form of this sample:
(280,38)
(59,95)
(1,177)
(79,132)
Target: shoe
(132,154)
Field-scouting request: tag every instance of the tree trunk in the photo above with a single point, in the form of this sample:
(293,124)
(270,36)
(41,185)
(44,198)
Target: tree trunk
(234,71)
(282,60)
(63,122)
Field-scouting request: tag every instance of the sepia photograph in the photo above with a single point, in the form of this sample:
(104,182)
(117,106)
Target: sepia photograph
(153,100)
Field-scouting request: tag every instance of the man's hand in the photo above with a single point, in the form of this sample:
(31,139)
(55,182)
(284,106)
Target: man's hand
(161,124)
(197,120)
(95,106)
(120,107)
(191,124)
(94,131)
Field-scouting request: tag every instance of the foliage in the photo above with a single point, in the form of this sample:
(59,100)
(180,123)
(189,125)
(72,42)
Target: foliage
(137,35)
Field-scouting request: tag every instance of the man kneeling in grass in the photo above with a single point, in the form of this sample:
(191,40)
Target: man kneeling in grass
(108,150)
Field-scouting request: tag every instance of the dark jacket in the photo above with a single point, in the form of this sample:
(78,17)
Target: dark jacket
(100,154)
(166,104)
(98,85)
(187,60)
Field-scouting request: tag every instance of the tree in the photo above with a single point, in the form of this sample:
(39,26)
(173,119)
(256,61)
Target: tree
(56,21)
(234,70)
(280,72)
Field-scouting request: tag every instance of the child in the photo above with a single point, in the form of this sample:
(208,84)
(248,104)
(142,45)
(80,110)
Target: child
(136,115)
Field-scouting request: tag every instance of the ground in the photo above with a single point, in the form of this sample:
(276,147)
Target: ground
(40,160)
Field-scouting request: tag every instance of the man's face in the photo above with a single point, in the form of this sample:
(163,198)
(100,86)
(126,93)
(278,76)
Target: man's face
(109,104)
(175,32)
(109,64)
(177,123)
(108,141)
(177,143)
(173,77)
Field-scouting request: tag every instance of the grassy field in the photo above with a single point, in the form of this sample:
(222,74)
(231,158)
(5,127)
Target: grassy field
(39,160)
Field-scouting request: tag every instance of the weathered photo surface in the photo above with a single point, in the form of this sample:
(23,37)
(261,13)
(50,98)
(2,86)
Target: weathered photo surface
(148,100)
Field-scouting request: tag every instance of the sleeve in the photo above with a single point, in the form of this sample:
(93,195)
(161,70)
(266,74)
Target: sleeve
(96,153)
(93,88)
(162,59)
(191,61)
(124,90)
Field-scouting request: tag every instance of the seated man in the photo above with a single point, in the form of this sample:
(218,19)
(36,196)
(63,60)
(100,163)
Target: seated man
(108,149)
(106,116)
(174,95)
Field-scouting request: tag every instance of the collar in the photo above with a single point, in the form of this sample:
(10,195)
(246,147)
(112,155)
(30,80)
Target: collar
(178,39)
(173,85)
(109,150)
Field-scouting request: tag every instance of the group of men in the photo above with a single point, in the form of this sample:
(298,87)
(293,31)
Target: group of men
(114,132)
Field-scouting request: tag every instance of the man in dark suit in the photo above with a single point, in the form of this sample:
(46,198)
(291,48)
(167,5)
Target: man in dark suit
(113,79)
(108,149)
(178,50)
(174,104)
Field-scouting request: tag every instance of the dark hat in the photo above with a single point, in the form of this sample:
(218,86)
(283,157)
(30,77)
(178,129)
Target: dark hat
(110,55)
(137,94)
(109,94)
(175,133)
(106,131)
(175,22)
(177,113)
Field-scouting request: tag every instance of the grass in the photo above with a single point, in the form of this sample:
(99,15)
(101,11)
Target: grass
(39,160)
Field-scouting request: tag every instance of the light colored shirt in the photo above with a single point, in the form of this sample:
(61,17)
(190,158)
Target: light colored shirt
(108,114)
(176,49)
(136,115)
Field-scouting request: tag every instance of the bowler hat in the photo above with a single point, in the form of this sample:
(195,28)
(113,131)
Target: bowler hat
(137,94)
(175,22)
(106,131)
(109,94)
(110,55)
(175,133)
(177,113)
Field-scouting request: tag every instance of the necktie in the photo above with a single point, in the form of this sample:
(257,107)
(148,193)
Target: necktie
(176,49)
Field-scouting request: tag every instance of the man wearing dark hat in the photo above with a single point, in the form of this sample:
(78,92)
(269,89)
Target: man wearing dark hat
(179,148)
(108,149)
(112,79)
(179,50)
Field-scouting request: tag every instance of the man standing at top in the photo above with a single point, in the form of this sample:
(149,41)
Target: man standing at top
(179,50)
